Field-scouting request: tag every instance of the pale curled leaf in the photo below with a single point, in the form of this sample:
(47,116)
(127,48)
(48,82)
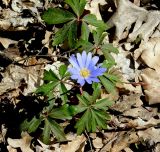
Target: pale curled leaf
(23,143)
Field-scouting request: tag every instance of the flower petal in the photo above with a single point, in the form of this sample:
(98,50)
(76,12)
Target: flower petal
(88,80)
(95,60)
(80,60)
(74,62)
(88,60)
(75,76)
(95,79)
(73,70)
(81,81)
(84,57)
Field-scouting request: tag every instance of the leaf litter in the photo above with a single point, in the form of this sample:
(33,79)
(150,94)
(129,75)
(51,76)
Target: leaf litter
(135,116)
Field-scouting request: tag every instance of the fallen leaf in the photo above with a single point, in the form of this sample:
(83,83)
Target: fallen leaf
(23,143)
(74,145)
(146,22)
(97,143)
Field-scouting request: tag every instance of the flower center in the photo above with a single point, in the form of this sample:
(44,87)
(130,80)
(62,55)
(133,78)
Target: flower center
(84,72)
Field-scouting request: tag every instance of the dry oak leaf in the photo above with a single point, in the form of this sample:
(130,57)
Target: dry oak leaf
(75,145)
(152,88)
(151,134)
(146,22)
(93,7)
(140,112)
(23,143)
(122,140)
(97,143)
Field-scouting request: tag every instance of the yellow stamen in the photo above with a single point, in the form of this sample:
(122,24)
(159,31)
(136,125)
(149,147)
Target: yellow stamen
(84,72)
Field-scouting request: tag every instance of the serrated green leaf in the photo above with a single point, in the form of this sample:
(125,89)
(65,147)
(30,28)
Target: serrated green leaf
(34,124)
(100,121)
(50,76)
(112,77)
(46,88)
(103,103)
(82,100)
(99,35)
(94,125)
(96,91)
(109,86)
(61,34)
(62,70)
(25,125)
(87,96)
(85,45)
(63,92)
(109,48)
(108,56)
(72,34)
(108,64)
(77,6)
(82,4)
(81,124)
(56,130)
(85,31)
(64,112)
(91,19)
(46,132)
(57,16)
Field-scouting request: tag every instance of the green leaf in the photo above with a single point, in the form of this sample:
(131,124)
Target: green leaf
(91,19)
(34,124)
(62,70)
(82,4)
(112,77)
(46,132)
(57,16)
(77,6)
(102,104)
(101,122)
(85,45)
(109,48)
(50,76)
(81,124)
(99,36)
(108,56)
(64,112)
(82,100)
(72,34)
(25,125)
(109,86)
(85,31)
(108,64)
(61,34)
(46,88)
(56,130)
(97,91)
(87,96)
(63,92)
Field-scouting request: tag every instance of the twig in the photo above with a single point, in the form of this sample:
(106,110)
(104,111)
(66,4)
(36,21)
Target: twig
(89,141)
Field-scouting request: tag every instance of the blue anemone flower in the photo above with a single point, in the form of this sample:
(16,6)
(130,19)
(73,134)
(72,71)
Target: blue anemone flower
(84,68)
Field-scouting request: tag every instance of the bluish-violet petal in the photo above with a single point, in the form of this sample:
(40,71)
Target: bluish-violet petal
(95,79)
(91,67)
(81,81)
(88,60)
(88,80)
(75,76)
(84,57)
(74,62)
(95,60)
(98,72)
(80,60)
(73,70)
